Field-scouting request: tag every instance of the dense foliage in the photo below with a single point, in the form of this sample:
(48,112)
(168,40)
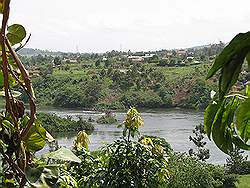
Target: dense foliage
(132,161)
(146,162)
(54,124)
(21,134)
(117,83)
(188,172)
(107,118)
(237,163)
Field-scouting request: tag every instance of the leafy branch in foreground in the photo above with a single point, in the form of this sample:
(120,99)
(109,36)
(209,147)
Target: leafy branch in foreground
(20,135)
(227,118)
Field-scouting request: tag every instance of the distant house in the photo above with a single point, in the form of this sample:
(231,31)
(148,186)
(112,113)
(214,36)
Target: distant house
(148,56)
(136,58)
(69,60)
(190,58)
(181,52)
(169,54)
(104,59)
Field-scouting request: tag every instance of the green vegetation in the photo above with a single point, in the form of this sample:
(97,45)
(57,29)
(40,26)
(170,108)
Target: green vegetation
(113,81)
(148,162)
(227,118)
(133,160)
(244,181)
(200,152)
(188,172)
(55,124)
(108,118)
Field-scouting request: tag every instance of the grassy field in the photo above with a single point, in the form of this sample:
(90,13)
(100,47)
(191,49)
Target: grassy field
(244,181)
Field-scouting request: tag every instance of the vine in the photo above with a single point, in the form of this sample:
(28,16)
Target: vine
(20,135)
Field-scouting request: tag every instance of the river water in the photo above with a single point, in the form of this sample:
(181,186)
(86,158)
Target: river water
(175,125)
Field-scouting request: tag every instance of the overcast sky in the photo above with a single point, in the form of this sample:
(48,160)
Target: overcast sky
(104,25)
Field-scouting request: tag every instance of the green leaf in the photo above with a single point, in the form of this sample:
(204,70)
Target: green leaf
(236,49)
(209,115)
(8,125)
(248,90)
(229,75)
(33,174)
(238,142)
(36,138)
(62,154)
(16,33)
(43,176)
(14,93)
(222,127)
(243,120)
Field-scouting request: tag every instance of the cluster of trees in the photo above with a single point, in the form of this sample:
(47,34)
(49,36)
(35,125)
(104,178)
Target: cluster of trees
(133,160)
(121,85)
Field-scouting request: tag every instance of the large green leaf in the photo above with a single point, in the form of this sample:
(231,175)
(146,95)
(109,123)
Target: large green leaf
(238,142)
(36,138)
(43,176)
(63,154)
(222,127)
(229,75)
(238,47)
(33,174)
(243,120)
(209,115)
(230,61)
(219,131)
(16,33)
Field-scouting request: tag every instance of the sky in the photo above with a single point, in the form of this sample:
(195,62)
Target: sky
(136,25)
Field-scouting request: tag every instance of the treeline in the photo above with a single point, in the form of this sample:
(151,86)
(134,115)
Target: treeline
(96,82)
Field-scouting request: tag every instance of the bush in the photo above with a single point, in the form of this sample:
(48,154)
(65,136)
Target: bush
(125,162)
(140,99)
(237,163)
(132,164)
(199,96)
(108,118)
(186,171)
(55,124)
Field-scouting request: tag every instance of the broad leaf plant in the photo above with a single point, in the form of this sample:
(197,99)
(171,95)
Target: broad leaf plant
(227,118)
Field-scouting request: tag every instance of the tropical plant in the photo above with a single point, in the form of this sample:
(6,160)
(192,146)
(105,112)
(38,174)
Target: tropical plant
(20,135)
(125,162)
(227,118)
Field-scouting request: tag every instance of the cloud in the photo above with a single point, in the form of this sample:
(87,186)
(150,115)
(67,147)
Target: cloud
(100,26)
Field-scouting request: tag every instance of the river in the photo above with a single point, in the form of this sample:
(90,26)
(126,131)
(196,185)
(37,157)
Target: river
(175,125)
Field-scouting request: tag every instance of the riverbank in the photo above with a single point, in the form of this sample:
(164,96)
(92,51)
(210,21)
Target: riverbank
(175,125)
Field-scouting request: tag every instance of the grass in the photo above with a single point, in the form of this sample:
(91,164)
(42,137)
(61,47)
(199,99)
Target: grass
(244,181)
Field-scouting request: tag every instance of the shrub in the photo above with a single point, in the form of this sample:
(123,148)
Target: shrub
(108,118)
(237,163)
(53,123)
(186,171)
(132,164)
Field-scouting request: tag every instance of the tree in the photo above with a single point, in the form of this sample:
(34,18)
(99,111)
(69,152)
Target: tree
(57,61)
(227,118)
(202,153)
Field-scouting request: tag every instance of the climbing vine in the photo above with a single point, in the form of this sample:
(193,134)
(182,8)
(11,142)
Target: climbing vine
(20,133)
